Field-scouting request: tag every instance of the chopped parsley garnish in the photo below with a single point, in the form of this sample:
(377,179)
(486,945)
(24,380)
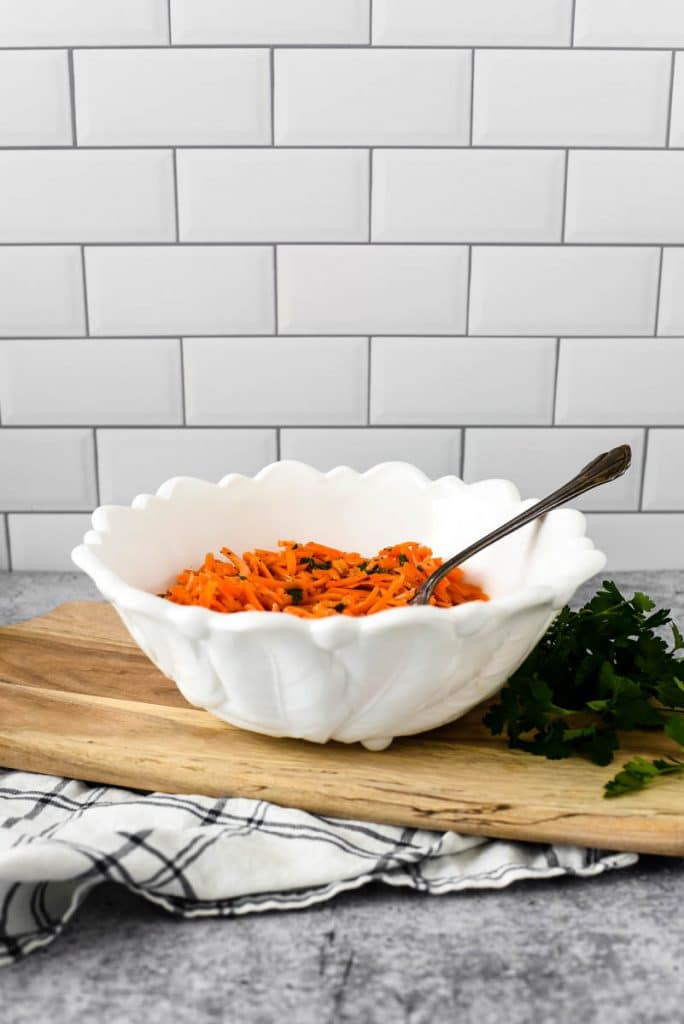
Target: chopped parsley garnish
(296,593)
(403,559)
(313,564)
(340,607)
(596,672)
(370,570)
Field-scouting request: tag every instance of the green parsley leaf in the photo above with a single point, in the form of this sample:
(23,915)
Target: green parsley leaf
(313,564)
(674,728)
(638,773)
(296,593)
(596,672)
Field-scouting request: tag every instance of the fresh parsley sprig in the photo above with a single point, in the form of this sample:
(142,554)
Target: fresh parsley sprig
(640,772)
(597,671)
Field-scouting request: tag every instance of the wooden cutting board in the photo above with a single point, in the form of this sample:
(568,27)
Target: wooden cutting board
(78,698)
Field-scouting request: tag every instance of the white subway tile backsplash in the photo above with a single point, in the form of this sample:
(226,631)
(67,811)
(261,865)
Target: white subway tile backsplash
(461,195)
(472,22)
(86,196)
(270,21)
(621,380)
(41,290)
(535,460)
(677,114)
(90,380)
(44,542)
(380,289)
(437,452)
(625,196)
(462,380)
(629,23)
(180,290)
(138,461)
(671,316)
(571,97)
(83,22)
(417,228)
(664,479)
(35,108)
(46,469)
(287,195)
(372,97)
(300,380)
(563,290)
(634,542)
(172,97)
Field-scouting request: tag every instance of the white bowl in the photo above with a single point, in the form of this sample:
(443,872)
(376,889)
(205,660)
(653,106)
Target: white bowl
(350,679)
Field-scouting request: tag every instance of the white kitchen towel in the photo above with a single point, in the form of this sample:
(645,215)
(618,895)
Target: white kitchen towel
(200,857)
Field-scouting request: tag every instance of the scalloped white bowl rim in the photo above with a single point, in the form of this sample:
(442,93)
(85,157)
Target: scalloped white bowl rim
(196,619)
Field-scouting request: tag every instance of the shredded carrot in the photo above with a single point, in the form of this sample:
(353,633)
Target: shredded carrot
(313,581)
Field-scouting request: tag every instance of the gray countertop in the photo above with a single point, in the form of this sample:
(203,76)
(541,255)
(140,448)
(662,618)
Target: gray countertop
(600,950)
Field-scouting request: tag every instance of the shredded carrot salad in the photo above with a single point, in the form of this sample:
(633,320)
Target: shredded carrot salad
(313,581)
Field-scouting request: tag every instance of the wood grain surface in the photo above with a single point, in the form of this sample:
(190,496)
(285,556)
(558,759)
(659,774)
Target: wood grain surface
(78,698)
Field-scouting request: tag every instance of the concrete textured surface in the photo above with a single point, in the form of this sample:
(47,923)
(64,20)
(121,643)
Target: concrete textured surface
(603,950)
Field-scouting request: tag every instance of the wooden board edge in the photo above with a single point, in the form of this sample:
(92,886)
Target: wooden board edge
(660,834)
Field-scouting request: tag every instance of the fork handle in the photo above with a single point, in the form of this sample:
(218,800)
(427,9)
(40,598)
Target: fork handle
(601,470)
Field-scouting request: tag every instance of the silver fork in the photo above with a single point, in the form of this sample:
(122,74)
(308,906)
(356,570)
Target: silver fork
(601,470)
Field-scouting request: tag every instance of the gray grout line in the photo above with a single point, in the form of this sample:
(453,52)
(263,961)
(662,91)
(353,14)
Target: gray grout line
(291,335)
(468,283)
(362,244)
(96,455)
(642,479)
(658,290)
(340,46)
(7,541)
(271,72)
(278,444)
(370,22)
(437,147)
(175,193)
(555,383)
(72,97)
(86,313)
(48,511)
(182,379)
(275,292)
(668,126)
(472,97)
(572,24)
(370,194)
(168,16)
(564,212)
(542,425)
(462,452)
(368,381)
(679,512)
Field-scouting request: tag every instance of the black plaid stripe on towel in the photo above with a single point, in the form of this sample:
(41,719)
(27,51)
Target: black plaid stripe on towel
(197,856)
